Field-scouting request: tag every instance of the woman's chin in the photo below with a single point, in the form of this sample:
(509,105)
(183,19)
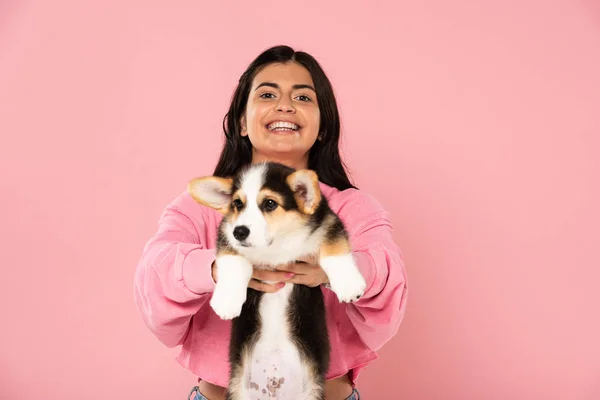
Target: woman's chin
(289,146)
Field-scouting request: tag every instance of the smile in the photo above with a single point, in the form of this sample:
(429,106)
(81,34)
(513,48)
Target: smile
(282,126)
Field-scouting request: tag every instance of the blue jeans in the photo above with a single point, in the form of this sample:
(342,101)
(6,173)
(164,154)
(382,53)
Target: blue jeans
(354,396)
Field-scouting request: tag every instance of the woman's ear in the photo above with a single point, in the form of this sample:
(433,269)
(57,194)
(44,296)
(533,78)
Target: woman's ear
(243,129)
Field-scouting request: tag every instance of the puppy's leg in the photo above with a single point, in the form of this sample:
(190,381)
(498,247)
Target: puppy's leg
(337,261)
(233,274)
(236,390)
(314,389)
(239,379)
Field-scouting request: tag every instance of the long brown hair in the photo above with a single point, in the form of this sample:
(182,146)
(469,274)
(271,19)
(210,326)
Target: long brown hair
(324,157)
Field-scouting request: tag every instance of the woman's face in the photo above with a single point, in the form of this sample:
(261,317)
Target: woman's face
(282,114)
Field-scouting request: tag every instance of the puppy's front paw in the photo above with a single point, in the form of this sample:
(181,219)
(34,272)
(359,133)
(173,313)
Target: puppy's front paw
(228,304)
(233,274)
(345,279)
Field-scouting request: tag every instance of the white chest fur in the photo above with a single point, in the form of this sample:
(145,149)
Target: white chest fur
(275,370)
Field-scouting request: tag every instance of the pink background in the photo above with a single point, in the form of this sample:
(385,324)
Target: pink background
(476,124)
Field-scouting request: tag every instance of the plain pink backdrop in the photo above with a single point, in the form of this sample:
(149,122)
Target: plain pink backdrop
(476,124)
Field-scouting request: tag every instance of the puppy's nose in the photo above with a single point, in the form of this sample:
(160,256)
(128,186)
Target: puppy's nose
(241,232)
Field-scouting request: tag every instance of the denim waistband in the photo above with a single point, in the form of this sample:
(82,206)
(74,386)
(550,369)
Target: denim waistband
(199,396)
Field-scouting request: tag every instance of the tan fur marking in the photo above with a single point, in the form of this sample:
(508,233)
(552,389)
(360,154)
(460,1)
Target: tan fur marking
(293,180)
(239,195)
(269,194)
(232,212)
(226,182)
(337,247)
(282,222)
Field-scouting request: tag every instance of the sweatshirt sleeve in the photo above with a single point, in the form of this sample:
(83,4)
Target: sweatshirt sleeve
(173,277)
(378,313)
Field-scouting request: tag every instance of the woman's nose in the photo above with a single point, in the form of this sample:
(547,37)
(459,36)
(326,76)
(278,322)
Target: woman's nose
(285,106)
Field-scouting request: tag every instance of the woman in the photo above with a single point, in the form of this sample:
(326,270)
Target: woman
(176,275)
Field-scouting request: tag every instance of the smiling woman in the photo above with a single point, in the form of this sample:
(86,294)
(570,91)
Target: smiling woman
(284,86)
(282,115)
(283,110)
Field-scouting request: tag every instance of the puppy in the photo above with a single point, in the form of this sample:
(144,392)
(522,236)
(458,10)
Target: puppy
(272,215)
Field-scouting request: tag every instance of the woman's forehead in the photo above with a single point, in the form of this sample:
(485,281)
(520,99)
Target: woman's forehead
(283,75)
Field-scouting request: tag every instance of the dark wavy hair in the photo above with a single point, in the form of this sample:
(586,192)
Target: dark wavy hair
(324,157)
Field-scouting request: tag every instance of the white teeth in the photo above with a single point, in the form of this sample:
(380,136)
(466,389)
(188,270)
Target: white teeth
(282,125)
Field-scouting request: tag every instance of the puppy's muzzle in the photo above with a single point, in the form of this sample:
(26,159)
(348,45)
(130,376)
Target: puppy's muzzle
(241,233)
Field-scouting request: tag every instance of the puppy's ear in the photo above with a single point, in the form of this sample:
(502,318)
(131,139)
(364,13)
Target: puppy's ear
(305,185)
(211,191)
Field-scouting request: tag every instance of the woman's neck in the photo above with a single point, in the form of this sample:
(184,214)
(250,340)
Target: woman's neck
(296,163)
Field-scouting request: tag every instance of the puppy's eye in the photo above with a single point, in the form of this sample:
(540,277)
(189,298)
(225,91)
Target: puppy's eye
(237,204)
(269,205)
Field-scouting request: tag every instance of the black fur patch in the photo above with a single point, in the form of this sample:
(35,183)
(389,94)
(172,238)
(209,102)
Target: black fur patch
(222,242)
(308,325)
(235,186)
(245,328)
(275,180)
(336,231)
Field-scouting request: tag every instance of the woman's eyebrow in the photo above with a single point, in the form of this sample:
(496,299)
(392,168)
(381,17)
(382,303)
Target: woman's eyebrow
(295,87)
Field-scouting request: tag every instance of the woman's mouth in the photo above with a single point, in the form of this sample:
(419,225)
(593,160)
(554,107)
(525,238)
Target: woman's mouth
(282,126)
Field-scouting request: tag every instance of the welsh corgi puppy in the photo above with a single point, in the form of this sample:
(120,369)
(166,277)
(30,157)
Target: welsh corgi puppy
(273,215)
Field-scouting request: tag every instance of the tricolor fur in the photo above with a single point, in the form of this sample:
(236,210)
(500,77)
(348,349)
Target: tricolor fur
(275,215)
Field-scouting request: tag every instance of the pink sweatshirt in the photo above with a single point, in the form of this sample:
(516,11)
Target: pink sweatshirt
(173,285)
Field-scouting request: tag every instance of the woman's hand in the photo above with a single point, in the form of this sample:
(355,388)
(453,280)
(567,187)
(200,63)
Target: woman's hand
(304,271)
(260,277)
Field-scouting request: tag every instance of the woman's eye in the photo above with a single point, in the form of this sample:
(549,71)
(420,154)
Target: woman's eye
(267,95)
(269,205)
(237,204)
(303,98)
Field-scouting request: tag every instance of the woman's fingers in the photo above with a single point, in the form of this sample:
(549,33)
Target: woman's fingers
(311,280)
(309,259)
(306,274)
(265,287)
(260,277)
(299,268)
(299,273)
(274,276)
